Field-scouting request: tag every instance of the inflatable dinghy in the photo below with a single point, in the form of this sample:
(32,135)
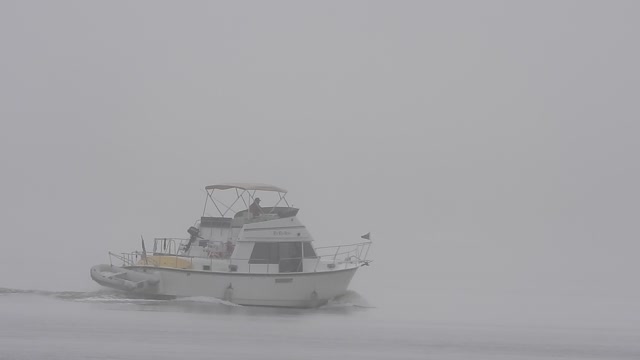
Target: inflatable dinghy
(124,279)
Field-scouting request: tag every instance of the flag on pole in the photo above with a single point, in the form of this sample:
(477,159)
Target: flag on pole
(366,236)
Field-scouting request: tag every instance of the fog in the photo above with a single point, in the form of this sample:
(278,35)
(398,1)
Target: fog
(491,148)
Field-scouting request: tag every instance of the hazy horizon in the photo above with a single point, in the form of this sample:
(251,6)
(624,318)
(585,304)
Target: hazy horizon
(489,147)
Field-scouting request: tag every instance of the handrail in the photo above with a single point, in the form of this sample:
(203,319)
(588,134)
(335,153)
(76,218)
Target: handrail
(351,254)
(354,252)
(345,245)
(128,258)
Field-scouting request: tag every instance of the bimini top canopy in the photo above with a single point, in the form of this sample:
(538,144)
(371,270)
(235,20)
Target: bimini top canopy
(246,186)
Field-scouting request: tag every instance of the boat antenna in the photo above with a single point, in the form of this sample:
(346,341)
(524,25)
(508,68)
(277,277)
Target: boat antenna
(144,251)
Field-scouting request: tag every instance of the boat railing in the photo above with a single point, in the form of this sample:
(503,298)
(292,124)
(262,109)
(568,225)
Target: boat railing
(165,247)
(127,259)
(142,258)
(331,257)
(343,254)
(178,247)
(170,252)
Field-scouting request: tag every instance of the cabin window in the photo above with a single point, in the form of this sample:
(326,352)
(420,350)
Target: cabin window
(290,257)
(287,254)
(309,253)
(290,250)
(264,253)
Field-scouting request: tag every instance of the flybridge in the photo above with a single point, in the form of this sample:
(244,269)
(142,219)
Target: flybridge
(245,196)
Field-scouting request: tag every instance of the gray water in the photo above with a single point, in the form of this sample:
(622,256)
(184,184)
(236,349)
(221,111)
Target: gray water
(107,325)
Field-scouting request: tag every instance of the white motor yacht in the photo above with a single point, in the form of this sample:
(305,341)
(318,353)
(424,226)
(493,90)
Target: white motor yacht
(247,254)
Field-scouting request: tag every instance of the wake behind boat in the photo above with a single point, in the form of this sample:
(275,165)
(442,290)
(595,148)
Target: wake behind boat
(259,256)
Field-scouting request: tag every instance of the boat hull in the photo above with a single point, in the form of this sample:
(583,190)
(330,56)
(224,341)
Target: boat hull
(303,290)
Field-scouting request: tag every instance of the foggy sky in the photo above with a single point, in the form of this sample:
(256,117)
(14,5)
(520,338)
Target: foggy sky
(490,147)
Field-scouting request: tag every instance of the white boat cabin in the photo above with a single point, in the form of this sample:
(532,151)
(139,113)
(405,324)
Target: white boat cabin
(267,240)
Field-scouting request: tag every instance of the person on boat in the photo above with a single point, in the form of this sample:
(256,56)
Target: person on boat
(255,208)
